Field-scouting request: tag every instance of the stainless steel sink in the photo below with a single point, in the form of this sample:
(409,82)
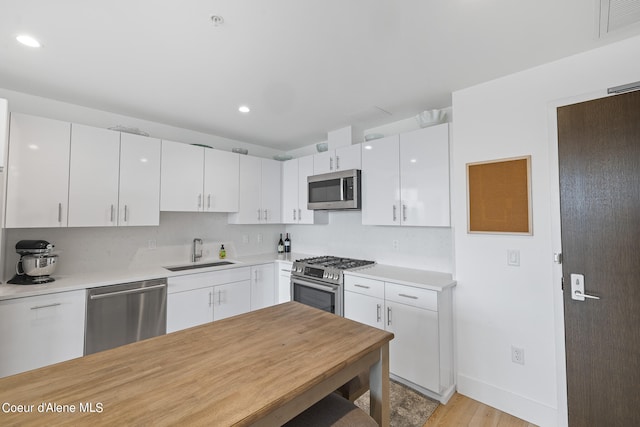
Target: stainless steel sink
(195,266)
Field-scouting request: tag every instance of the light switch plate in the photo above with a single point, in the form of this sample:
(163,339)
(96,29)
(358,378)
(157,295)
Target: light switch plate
(513,257)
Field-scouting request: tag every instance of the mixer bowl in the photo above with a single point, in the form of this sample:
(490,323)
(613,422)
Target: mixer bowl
(38,265)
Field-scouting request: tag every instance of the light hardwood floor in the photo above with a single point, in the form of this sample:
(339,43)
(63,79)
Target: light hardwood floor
(463,411)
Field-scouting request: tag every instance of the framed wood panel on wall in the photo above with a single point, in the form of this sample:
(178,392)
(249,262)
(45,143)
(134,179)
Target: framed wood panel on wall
(499,196)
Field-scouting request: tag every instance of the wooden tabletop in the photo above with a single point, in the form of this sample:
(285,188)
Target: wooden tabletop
(229,372)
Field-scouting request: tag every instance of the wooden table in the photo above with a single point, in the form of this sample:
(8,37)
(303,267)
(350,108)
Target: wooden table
(261,368)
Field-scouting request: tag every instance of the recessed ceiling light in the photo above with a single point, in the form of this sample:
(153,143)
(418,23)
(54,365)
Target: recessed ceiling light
(28,40)
(244,109)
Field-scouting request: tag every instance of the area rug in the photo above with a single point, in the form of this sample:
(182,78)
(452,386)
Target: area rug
(409,408)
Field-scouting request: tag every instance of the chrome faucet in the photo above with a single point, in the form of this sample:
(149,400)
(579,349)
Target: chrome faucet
(196,255)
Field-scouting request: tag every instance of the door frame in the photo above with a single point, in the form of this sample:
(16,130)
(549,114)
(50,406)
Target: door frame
(556,243)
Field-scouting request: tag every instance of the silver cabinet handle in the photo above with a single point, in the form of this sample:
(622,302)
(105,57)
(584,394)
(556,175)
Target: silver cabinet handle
(299,214)
(265,215)
(112,214)
(408,296)
(38,307)
(219,296)
(362,286)
(199,201)
(258,214)
(330,163)
(128,291)
(59,212)
(394,213)
(126,212)
(294,214)
(378,312)
(210,299)
(388,316)
(255,275)
(209,201)
(404,212)
(337,162)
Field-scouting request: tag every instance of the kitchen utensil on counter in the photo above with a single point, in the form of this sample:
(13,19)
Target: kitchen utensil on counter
(37,262)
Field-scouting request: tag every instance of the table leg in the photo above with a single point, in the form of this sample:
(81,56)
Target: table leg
(379,388)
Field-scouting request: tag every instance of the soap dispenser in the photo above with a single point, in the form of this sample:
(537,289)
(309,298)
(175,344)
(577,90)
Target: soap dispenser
(223,252)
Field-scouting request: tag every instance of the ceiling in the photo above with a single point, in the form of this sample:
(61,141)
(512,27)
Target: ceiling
(303,67)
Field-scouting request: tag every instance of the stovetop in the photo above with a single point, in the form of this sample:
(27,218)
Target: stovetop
(327,268)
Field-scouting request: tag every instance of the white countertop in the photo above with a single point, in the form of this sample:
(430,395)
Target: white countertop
(133,274)
(425,279)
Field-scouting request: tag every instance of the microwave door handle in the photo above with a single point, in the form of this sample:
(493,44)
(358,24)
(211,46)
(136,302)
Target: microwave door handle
(343,184)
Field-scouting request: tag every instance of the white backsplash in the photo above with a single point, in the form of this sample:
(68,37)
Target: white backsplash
(425,248)
(86,250)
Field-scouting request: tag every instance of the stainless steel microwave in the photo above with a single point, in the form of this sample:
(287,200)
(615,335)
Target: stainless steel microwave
(334,190)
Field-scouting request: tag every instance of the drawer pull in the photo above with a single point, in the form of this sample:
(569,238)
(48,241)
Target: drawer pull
(362,286)
(408,296)
(37,307)
(378,312)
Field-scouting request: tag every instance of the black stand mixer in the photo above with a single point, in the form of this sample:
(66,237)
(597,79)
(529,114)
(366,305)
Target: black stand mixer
(36,263)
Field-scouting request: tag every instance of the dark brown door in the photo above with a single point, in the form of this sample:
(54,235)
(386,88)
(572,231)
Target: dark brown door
(599,163)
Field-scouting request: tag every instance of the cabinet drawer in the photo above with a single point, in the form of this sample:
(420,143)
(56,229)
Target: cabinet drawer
(416,297)
(201,280)
(362,285)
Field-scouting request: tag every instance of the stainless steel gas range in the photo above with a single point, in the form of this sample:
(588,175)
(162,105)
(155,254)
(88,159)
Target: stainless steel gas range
(319,281)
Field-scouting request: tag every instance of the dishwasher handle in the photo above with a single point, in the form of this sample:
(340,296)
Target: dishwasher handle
(128,291)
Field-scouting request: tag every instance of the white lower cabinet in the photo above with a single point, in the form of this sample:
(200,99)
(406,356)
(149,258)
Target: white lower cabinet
(195,299)
(421,352)
(41,330)
(284,281)
(263,286)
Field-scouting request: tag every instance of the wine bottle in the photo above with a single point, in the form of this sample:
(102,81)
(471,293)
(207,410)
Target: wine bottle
(287,244)
(280,245)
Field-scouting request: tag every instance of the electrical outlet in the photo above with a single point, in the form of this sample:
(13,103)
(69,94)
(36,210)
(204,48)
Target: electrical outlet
(151,244)
(517,355)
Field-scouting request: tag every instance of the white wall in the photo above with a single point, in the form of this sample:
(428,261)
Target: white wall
(425,248)
(498,305)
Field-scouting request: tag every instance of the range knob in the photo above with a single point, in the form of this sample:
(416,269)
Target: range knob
(325,275)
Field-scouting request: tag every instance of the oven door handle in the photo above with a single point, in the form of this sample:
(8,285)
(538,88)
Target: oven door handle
(314,285)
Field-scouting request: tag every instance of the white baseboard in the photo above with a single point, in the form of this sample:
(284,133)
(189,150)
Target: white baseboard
(519,406)
(442,398)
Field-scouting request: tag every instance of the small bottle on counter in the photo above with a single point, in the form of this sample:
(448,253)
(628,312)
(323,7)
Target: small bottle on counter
(280,245)
(287,244)
(223,252)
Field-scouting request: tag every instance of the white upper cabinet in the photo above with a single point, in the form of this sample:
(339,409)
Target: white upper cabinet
(424,176)
(198,179)
(182,173)
(139,180)
(4,129)
(405,179)
(221,181)
(381,181)
(342,158)
(260,188)
(93,177)
(38,172)
(295,193)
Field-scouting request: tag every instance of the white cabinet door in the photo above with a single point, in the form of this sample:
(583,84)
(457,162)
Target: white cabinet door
(323,162)
(364,309)
(424,176)
(290,191)
(381,182)
(182,174)
(263,286)
(139,180)
(41,330)
(306,216)
(414,351)
(189,308)
(271,191)
(249,211)
(93,177)
(349,157)
(231,299)
(284,281)
(38,172)
(221,181)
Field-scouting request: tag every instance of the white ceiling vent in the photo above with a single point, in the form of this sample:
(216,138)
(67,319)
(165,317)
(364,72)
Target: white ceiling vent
(617,14)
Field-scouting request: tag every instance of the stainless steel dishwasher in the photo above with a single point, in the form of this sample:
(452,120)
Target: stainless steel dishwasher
(125,313)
